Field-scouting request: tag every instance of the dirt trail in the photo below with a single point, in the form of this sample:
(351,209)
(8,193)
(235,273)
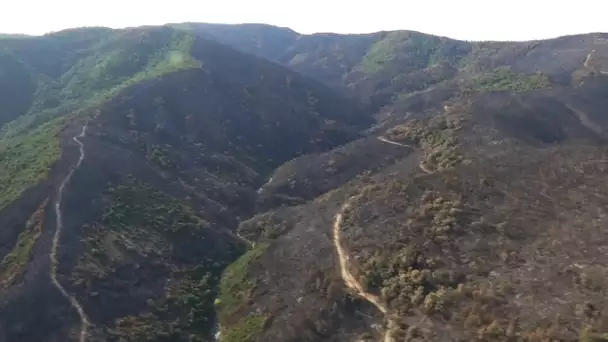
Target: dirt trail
(586,120)
(422,167)
(586,62)
(261,189)
(343,257)
(245,240)
(394,142)
(348,278)
(56,241)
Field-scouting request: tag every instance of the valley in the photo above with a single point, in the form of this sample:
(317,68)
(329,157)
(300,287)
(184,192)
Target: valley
(243,183)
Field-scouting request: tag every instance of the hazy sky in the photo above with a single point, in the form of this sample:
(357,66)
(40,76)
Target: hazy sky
(463,19)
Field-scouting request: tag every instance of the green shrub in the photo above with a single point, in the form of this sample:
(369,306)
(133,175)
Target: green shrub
(14,262)
(247,329)
(504,79)
(236,286)
(26,160)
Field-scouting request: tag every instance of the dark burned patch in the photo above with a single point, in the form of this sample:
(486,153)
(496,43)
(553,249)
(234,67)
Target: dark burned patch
(150,265)
(546,118)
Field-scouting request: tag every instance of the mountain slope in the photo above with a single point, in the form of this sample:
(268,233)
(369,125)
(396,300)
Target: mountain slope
(180,132)
(158,185)
(470,237)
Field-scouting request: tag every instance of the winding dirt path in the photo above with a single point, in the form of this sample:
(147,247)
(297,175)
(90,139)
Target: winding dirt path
(56,241)
(245,240)
(586,62)
(348,278)
(261,189)
(343,257)
(394,142)
(422,167)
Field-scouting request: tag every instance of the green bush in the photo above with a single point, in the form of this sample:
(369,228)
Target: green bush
(14,262)
(247,329)
(26,160)
(236,285)
(504,79)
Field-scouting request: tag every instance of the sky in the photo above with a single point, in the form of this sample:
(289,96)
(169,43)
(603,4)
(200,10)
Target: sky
(461,19)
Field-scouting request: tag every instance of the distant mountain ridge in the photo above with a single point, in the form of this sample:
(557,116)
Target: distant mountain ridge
(413,61)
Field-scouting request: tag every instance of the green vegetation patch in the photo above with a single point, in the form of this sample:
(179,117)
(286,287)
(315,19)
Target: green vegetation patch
(236,286)
(29,145)
(141,224)
(13,263)
(411,46)
(140,220)
(194,298)
(139,204)
(504,79)
(247,329)
(146,327)
(188,301)
(26,160)
(415,275)
(408,277)
(436,136)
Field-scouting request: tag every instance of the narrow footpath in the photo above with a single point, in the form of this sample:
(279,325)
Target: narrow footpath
(422,167)
(57,239)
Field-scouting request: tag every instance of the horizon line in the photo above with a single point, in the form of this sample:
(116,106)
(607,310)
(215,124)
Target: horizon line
(52,32)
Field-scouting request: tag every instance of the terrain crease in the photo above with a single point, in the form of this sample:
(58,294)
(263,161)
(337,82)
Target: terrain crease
(56,240)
